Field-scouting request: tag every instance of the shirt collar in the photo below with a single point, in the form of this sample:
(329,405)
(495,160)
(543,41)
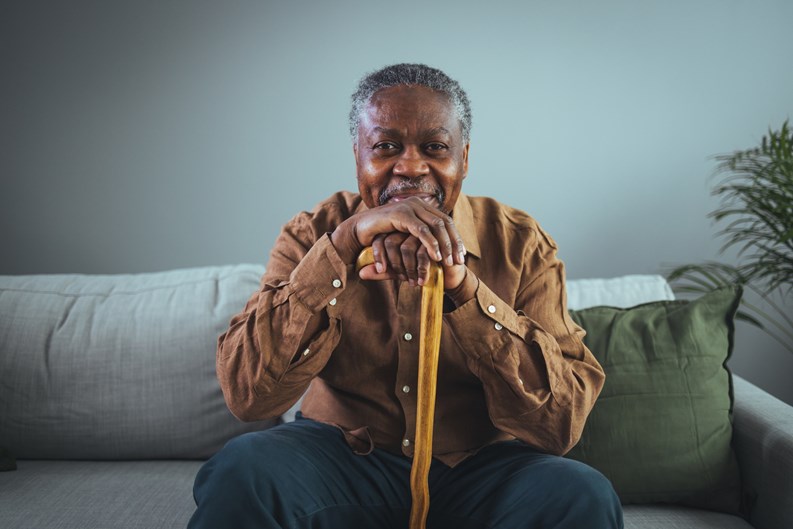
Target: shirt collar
(463,217)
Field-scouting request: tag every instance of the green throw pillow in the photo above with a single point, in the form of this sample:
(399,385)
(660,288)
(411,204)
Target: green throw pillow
(661,428)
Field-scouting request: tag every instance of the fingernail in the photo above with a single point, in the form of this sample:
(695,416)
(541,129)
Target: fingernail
(450,260)
(462,257)
(379,267)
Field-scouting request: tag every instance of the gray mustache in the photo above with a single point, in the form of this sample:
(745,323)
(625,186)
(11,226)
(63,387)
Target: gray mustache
(388,193)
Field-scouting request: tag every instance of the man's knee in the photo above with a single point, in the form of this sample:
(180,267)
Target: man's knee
(248,463)
(229,486)
(250,481)
(231,465)
(589,497)
(560,492)
(592,484)
(243,447)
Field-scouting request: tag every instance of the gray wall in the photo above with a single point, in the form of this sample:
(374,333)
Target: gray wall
(142,136)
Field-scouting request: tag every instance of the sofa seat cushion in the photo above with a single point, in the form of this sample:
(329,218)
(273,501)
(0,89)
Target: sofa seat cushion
(674,517)
(98,494)
(118,366)
(158,495)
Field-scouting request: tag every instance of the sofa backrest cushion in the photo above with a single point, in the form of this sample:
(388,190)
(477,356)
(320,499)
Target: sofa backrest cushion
(118,366)
(624,291)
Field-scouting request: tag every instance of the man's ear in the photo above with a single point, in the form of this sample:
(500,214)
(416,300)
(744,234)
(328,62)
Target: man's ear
(355,152)
(465,159)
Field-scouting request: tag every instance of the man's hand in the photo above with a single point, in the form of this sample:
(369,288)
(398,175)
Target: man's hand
(402,256)
(405,236)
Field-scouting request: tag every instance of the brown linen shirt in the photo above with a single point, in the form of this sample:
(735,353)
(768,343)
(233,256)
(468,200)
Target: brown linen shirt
(512,363)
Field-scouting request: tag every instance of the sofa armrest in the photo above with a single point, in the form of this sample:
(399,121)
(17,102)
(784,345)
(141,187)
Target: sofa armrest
(763,441)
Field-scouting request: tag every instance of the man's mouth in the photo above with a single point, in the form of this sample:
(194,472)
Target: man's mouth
(429,199)
(430,195)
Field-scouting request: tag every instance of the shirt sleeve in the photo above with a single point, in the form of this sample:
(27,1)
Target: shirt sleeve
(287,331)
(540,381)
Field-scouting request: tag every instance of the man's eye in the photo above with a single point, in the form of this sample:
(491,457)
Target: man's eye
(386,146)
(435,146)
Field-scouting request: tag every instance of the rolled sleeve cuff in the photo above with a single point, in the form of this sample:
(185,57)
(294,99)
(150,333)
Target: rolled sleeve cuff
(320,277)
(483,322)
(488,329)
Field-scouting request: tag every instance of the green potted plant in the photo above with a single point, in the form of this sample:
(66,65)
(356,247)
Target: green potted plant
(756,210)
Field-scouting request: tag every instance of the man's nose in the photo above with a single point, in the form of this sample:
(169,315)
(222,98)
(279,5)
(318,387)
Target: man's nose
(411,163)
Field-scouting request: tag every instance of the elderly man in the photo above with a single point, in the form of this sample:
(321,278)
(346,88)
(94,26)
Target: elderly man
(515,381)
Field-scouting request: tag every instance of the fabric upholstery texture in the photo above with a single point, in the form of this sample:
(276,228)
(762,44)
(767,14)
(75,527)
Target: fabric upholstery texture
(676,517)
(117,366)
(661,429)
(98,494)
(763,442)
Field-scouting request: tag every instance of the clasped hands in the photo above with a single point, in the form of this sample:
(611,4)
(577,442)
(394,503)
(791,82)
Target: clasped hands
(405,236)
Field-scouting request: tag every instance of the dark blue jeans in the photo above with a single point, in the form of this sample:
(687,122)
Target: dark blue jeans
(304,475)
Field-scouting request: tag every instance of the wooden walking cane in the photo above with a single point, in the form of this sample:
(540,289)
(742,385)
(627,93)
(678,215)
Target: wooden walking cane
(429,347)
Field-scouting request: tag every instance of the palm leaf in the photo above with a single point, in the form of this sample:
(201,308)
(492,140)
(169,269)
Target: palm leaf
(756,208)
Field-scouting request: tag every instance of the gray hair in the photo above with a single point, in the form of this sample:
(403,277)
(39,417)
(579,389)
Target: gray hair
(410,74)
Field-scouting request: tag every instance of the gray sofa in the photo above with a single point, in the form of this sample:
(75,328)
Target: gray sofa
(108,400)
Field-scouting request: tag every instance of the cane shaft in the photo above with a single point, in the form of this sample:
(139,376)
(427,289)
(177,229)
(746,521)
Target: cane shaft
(429,347)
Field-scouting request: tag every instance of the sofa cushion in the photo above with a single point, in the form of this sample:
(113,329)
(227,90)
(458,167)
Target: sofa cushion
(662,427)
(117,366)
(623,291)
(98,494)
(676,517)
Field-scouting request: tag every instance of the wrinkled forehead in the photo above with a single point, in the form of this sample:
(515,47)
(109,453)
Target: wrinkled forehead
(410,107)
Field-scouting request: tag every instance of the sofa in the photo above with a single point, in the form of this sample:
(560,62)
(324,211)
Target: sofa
(109,403)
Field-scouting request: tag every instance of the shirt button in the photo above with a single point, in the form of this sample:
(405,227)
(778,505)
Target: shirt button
(405,442)
(408,336)
(491,309)
(336,283)
(306,352)
(333,302)
(405,389)
(498,326)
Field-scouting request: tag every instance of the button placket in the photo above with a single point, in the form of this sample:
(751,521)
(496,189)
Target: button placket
(408,308)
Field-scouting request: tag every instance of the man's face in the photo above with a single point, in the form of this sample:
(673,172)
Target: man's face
(410,143)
